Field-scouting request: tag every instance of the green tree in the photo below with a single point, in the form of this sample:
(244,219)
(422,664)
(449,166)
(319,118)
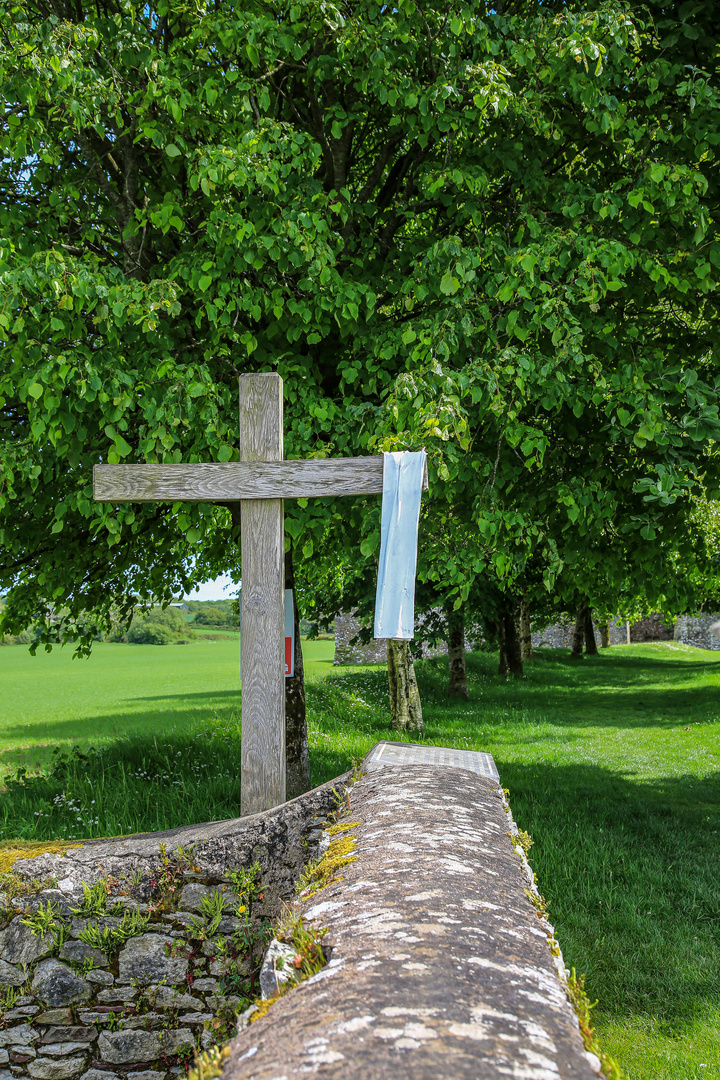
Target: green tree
(487,229)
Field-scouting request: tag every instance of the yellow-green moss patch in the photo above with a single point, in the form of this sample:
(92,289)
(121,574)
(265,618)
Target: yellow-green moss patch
(12,850)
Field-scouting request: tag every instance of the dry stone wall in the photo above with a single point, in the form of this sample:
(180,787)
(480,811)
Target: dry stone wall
(559,635)
(375,652)
(695,630)
(442,963)
(120,959)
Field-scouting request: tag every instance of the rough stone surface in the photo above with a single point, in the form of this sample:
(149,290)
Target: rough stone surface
(57,1069)
(166,998)
(57,984)
(173,1041)
(559,635)
(194,893)
(99,1074)
(18,944)
(19,1034)
(63,1049)
(10,975)
(55,1016)
(375,651)
(69,1034)
(145,960)
(103,978)
(696,630)
(277,968)
(79,951)
(440,966)
(122,1047)
(276,839)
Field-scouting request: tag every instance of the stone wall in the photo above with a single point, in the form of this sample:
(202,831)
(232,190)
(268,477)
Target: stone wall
(559,635)
(375,652)
(122,958)
(695,630)
(442,962)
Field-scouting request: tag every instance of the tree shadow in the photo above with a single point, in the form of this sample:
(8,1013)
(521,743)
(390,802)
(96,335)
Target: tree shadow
(604,691)
(630,873)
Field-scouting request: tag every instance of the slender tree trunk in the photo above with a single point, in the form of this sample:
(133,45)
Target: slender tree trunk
(589,631)
(627,628)
(502,659)
(578,632)
(513,648)
(604,629)
(297,754)
(457,670)
(526,648)
(405,707)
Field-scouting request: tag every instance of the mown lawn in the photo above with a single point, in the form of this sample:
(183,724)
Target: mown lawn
(613,766)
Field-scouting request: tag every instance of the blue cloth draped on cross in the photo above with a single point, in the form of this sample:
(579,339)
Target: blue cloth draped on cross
(260,481)
(403,474)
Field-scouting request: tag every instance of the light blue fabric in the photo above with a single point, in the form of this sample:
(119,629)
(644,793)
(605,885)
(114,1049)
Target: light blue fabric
(402,491)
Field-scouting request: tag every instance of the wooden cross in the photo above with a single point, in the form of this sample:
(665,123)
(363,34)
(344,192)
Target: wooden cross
(260,481)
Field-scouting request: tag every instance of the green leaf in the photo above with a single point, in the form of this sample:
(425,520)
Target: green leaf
(172,150)
(370,544)
(204,283)
(35,390)
(449,284)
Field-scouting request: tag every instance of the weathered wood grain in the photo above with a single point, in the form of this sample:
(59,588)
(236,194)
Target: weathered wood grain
(230,481)
(263,604)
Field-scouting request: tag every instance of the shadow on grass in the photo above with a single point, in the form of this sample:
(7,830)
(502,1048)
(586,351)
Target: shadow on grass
(630,873)
(609,691)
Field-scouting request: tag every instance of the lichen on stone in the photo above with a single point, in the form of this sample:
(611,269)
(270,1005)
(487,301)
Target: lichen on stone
(12,850)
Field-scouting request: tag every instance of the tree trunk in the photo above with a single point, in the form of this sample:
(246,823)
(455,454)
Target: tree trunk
(627,627)
(604,629)
(589,630)
(502,658)
(513,649)
(405,707)
(508,633)
(457,670)
(297,754)
(526,649)
(578,632)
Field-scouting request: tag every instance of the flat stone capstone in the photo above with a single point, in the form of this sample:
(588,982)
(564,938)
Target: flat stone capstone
(440,966)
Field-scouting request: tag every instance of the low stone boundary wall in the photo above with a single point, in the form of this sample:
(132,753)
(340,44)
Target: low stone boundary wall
(441,963)
(560,635)
(122,958)
(695,630)
(375,652)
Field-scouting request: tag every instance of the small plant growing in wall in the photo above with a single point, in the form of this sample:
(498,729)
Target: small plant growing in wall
(46,921)
(110,939)
(169,877)
(95,900)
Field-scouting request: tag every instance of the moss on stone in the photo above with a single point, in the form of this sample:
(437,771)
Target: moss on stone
(12,850)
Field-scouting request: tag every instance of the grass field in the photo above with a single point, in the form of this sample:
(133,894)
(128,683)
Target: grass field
(613,766)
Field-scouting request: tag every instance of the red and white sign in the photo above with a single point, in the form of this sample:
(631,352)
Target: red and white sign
(289,635)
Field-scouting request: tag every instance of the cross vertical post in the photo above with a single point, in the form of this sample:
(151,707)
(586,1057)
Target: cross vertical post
(262,543)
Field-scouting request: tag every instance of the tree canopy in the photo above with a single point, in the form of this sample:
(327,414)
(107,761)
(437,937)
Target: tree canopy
(486,229)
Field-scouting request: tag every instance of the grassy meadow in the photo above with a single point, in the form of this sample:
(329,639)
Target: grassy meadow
(613,766)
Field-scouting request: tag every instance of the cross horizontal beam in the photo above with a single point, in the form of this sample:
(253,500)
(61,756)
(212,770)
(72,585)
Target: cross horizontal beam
(230,481)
